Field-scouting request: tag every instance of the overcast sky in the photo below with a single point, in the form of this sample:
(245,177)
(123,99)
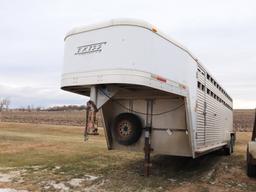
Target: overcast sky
(222,34)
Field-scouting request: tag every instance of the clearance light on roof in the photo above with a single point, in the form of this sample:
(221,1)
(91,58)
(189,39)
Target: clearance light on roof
(154,29)
(182,86)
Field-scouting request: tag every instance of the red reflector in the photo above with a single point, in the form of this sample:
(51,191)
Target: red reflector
(161,79)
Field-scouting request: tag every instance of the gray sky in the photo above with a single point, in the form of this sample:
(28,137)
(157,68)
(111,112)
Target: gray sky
(222,34)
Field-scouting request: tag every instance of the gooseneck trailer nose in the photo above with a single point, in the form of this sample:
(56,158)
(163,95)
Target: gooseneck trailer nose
(153,94)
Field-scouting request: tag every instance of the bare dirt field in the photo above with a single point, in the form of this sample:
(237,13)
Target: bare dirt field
(40,157)
(243,118)
(74,117)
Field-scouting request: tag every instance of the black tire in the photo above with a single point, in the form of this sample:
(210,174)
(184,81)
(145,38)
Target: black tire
(232,143)
(228,149)
(250,168)
(127,128)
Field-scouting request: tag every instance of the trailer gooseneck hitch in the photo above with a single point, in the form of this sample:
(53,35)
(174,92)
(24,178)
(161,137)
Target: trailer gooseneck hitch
(90,128)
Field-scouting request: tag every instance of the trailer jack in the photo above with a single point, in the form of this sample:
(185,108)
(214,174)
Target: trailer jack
(147,151)
(90,121)
(147,143)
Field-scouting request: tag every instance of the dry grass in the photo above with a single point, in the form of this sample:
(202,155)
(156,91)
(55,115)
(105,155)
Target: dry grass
(46,153)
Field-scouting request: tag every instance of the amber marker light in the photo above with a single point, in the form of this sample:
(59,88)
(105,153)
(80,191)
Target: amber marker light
(154,29)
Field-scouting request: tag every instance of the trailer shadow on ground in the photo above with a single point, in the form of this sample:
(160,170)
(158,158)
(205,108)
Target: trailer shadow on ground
(172,166)
(181,167)
(211,172)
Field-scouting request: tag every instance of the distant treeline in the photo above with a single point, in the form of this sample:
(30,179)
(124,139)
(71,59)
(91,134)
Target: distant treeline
(54,108)
(66,108)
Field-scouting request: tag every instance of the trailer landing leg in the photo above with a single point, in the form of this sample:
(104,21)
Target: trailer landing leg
(147,151)
(147,145)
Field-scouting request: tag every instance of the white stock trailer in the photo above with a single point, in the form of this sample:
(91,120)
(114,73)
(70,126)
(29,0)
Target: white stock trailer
(153,94)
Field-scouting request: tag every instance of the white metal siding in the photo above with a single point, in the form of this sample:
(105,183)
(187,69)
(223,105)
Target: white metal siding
(200,130)
(214,127)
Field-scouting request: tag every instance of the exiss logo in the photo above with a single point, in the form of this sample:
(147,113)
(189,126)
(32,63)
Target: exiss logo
(91,48)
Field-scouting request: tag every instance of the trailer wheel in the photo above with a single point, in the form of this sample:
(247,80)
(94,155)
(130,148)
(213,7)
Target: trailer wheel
(251,168)
(127,128)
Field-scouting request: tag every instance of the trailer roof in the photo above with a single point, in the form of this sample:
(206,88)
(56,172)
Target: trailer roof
(129,22)
(133,22)
(120,22)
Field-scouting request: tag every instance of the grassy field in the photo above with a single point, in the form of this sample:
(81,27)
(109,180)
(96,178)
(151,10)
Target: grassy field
(39,157)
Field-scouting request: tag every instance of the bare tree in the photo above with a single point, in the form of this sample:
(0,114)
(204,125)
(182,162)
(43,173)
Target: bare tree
(38,108)
(1,105)
(4,104)
(7,103)
(28,108)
